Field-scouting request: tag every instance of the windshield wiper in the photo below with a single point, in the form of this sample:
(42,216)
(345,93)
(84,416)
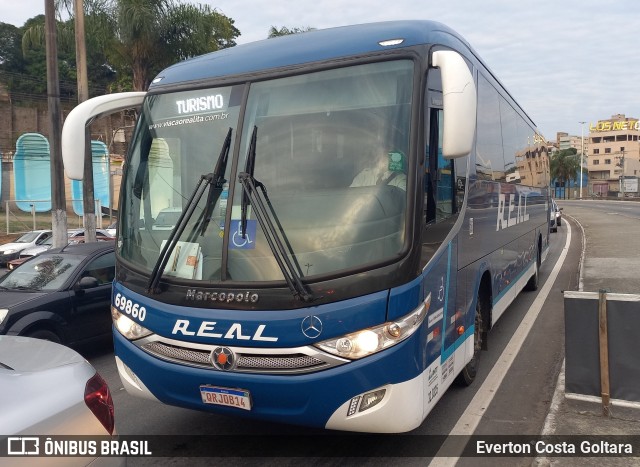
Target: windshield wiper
(217,184)
(290,269)
(214,180)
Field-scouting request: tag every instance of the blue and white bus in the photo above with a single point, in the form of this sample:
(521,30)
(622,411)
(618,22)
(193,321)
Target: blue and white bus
(352,211)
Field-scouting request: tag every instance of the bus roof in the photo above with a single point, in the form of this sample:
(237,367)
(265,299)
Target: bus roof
(299,49)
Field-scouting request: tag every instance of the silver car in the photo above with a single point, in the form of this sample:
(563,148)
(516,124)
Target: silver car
(12,250)
(36,250)
(49,389)
(555,216)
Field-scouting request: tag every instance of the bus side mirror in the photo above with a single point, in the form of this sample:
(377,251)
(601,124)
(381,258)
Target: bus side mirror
(73,131)
(459,103)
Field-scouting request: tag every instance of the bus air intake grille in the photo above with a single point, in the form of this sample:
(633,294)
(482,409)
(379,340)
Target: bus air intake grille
(279,361)
(178,353)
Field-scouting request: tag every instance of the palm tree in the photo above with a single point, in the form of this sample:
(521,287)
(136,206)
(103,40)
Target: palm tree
(150,35)
(141,37)
(565,165)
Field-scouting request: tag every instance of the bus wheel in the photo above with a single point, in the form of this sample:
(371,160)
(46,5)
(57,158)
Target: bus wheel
(533,281)
(468,373)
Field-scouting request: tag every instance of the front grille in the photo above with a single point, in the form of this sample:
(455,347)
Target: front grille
(176,353)
(278,363)
(299,360)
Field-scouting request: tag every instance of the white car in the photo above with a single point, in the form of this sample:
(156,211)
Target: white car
(166,219)
(555,216)
(36,250)
(12,250)
(49,390)
(77,235)
(111,230)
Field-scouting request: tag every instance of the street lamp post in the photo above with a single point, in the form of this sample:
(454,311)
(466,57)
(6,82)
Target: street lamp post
(581,156)
(621,165)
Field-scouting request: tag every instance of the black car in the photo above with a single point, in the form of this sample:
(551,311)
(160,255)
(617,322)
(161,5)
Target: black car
(62,295)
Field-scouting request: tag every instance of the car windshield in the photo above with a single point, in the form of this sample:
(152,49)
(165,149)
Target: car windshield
(42,273)
(329,149)
(28,237)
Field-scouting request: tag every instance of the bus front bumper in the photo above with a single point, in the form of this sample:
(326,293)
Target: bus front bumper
(390,383)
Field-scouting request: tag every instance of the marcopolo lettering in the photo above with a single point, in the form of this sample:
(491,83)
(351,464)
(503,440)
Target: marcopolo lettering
(222,297)
(208,328)
(506,215)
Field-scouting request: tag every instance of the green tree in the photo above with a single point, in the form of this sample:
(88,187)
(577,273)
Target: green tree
(285,31)
(565,165)
(9,44)
(130,41)
(100,74)
(143,37)
(23,70)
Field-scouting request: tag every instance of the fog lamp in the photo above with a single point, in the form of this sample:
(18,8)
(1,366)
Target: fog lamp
(371,399)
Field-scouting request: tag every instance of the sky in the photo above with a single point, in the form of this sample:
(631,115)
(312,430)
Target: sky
(565,62)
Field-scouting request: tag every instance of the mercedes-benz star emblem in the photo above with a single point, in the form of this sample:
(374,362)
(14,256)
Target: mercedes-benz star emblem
(311,327)
(223,358)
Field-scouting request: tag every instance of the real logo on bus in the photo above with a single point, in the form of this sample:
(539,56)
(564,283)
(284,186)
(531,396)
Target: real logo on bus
(511,218)
(208,329)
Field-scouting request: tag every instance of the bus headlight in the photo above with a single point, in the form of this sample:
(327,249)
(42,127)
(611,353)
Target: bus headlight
(369,341)
(127,327)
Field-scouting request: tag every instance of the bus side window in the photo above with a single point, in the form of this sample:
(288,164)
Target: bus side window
(440,175)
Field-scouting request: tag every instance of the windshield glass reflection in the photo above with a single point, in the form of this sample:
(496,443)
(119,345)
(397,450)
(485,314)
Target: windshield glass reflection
(42,273)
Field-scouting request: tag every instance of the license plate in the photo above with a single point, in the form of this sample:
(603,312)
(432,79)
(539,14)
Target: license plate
(228,397)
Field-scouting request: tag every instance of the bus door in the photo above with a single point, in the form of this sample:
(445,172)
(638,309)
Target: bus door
(440,212)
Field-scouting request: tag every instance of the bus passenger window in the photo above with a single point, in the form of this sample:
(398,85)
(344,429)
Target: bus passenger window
(439,176)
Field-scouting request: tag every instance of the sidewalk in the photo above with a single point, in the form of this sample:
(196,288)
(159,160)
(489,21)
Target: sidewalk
(617,272)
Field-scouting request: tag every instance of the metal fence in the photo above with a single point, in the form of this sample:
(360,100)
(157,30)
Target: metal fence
(19,216)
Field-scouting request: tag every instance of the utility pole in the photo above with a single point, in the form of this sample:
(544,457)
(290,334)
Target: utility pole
(58,208)
(581,157)
(621,164)
(88,202)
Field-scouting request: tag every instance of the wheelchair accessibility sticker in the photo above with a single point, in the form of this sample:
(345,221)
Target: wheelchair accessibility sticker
(237,241)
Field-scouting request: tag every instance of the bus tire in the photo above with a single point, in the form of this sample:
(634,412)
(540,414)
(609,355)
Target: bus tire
(469,372)
(534,280)
(46,335)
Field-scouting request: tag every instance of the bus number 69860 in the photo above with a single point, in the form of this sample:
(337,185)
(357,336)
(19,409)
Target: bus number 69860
(133,309)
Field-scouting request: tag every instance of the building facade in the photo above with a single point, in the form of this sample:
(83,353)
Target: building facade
(567,141)
(614,154)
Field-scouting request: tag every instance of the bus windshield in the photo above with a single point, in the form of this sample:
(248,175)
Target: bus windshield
(329,152)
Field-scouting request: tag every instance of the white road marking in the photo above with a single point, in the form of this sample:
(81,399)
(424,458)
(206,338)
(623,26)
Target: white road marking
(469,420)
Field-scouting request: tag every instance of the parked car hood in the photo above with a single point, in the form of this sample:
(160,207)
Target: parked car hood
(35,250)
(24,354)
(9,298)
(15,246)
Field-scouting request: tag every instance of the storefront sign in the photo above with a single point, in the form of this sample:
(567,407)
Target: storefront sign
(621,125)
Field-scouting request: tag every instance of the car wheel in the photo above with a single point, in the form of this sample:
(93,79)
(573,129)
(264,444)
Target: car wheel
(559,222)
(46,335)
